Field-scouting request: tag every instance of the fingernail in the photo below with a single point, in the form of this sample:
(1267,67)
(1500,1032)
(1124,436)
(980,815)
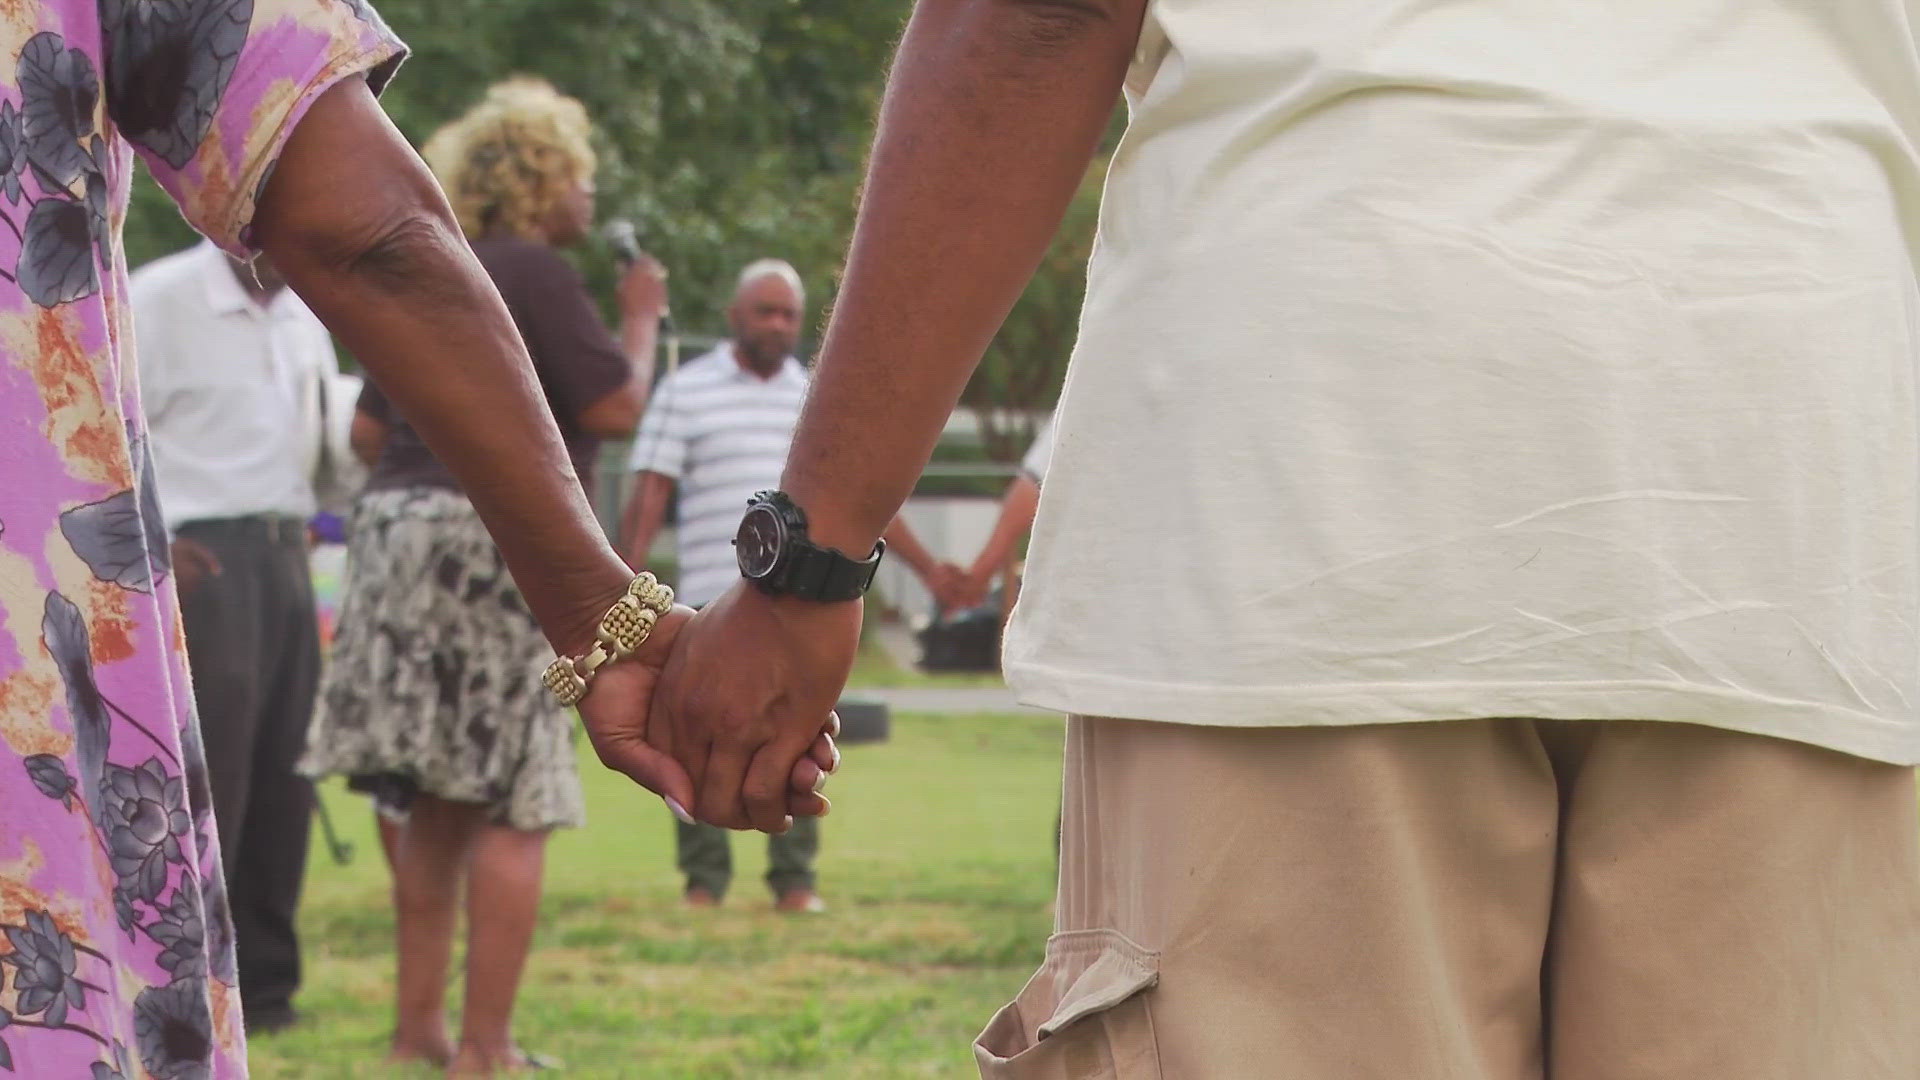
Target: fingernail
(825,808)
(678,810)
(820,782)
(835,767)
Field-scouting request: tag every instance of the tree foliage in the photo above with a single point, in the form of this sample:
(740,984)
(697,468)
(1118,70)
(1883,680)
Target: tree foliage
(1019,376)
(728,130)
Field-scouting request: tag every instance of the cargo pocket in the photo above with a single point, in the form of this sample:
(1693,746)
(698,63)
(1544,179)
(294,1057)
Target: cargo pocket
(1084,1016)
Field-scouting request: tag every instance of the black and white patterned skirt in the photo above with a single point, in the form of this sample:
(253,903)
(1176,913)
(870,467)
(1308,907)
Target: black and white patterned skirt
(433,685)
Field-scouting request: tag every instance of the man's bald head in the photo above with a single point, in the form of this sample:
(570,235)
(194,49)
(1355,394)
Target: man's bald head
(761,269)
(765,314)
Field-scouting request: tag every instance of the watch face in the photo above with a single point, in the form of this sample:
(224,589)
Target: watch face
(761,539)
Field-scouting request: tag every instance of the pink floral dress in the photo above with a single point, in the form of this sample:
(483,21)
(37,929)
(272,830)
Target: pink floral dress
(116,951)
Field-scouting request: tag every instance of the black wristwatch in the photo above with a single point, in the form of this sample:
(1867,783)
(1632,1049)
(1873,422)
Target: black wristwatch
(775,554)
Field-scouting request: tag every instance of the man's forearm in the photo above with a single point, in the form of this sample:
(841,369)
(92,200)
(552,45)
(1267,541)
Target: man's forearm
(363,234)
(639,544)
(1016,517)
(992,113)
(646,512)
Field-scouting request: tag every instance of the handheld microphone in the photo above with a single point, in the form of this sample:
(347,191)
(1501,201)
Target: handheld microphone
(623,238)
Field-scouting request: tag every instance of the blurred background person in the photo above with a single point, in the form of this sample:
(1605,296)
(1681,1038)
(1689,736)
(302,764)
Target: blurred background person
(1018,505)
(433,703)
(234,373)
(718,431)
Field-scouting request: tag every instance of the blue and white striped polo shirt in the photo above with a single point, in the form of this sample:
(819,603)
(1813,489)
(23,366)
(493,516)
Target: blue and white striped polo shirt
(721,433)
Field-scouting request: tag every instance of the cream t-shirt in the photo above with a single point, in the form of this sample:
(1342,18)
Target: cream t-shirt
(1537,358)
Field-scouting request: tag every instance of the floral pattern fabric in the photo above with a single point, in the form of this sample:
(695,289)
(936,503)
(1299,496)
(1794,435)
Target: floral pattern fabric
(433,686)
(116,949)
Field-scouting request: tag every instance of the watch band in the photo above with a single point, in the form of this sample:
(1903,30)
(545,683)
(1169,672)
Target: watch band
(821,574)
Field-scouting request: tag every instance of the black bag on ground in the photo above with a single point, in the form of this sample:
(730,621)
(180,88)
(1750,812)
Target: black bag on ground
(968,641)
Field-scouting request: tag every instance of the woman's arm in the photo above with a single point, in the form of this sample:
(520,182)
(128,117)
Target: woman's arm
(643,302)
(939,578)
(361,230)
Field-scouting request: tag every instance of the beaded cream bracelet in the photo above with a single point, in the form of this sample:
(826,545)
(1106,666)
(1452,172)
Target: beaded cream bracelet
(625,628)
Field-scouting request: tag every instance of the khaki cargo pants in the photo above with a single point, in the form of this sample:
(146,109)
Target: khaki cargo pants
(1474,900)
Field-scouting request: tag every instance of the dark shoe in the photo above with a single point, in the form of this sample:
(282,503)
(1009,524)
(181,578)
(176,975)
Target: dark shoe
(800,902)
(698,897)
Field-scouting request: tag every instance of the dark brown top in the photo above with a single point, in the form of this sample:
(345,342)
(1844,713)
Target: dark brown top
(576,358)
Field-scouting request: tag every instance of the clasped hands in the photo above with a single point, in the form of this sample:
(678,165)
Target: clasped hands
(955,588)
(727,714)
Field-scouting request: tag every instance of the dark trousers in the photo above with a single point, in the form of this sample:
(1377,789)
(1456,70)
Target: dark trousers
(706,857)
(254,645)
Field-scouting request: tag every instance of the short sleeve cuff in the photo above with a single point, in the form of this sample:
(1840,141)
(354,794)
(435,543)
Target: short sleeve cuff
(649,455)
(376,64)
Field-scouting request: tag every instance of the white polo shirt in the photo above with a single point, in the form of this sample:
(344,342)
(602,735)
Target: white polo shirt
(722,434)
(231,390)
(1501,358)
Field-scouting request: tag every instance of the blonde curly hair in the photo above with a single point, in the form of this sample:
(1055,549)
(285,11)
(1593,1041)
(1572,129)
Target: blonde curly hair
(512,157)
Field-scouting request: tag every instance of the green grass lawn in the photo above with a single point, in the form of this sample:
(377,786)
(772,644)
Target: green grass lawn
(938,864)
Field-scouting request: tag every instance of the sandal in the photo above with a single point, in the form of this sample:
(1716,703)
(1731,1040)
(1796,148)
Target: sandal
(532,1061)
